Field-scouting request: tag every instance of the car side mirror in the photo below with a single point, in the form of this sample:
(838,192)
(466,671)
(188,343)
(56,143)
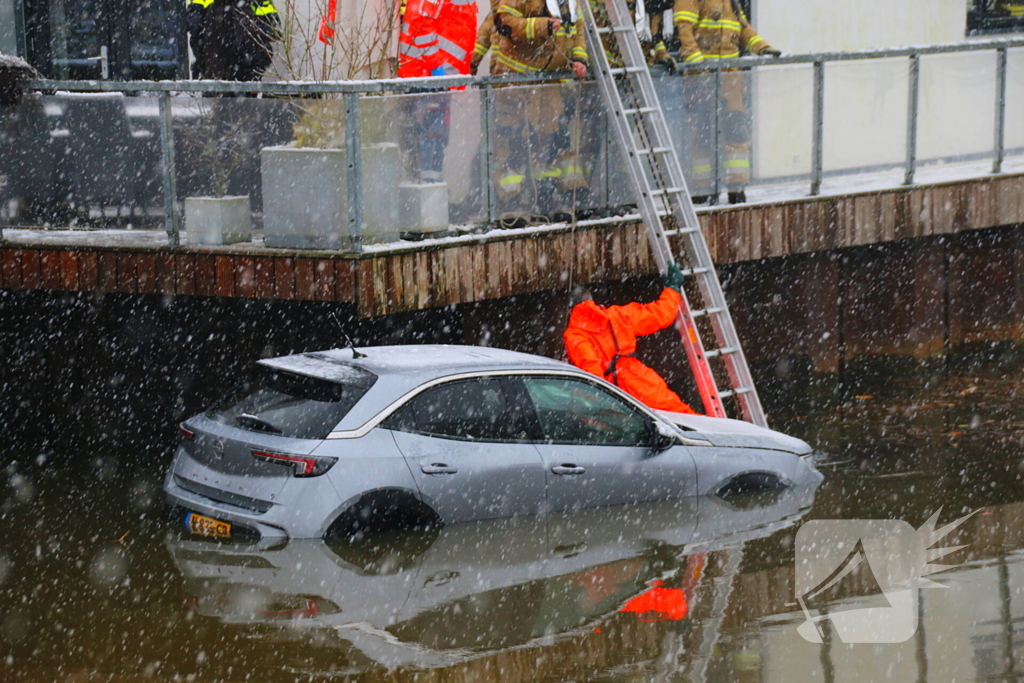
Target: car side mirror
(662,437)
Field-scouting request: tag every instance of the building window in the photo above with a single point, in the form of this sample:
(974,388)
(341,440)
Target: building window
(994,16)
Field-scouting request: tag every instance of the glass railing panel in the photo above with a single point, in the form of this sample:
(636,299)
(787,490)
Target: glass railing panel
(865,116)
(956,115)
(1014,130)
(240,157)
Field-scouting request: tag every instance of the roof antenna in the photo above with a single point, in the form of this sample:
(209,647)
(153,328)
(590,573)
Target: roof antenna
(351,344)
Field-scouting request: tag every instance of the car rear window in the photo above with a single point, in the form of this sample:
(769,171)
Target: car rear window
(286,404)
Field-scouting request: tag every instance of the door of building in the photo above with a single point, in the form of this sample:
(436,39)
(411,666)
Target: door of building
(106,39)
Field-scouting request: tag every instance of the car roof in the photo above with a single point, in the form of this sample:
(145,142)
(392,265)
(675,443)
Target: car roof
(400,369)
(425,361)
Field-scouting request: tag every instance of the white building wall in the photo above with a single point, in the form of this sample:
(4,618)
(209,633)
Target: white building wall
(866,102)
(800,26)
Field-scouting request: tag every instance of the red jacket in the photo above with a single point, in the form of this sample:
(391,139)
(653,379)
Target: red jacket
(598,335)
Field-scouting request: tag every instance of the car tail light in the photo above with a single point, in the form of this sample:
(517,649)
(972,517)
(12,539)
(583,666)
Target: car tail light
(185,431)
(304,465)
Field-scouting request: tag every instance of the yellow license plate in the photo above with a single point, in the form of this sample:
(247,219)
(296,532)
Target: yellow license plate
(207,526)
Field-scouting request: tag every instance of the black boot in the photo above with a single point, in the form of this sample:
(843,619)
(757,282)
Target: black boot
(738,197)
(708,199)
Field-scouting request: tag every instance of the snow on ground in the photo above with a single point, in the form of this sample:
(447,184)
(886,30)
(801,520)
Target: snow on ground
(758,194)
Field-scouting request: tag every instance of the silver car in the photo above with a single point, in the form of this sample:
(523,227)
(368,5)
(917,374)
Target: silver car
(335,443)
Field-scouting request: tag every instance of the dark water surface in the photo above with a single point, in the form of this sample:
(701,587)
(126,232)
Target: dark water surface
(96,586)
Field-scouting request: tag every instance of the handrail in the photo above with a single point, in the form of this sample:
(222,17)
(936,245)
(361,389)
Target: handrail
(434,83)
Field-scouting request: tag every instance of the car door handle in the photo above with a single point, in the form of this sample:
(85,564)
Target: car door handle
(568,469)
(438,468)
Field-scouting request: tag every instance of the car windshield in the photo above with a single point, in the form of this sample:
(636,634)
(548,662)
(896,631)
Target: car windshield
(287,404)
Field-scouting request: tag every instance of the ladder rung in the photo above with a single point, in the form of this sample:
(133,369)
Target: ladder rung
(639,110)
(623,29)
(667,190)
(627,70)
(706,311)
(695,271)
(602,30)
(656,150)
(721,352)
(684,231)
(734,392)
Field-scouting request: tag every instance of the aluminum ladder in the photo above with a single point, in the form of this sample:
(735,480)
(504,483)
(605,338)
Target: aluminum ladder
(664,201)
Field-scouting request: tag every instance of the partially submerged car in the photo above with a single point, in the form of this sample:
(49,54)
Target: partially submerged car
(336,442)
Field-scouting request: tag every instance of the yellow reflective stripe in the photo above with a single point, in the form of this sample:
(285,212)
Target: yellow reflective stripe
(511,63)
(509,10)
(264,9)
(202,3)
(531,28)
(660,45)
(702,168)
(514,179)
(695,57)
(480,50)
(735,163)
(572,170)
(723,24)
(731,55)
(564,32)
(551,173)
(691,17)
(580,53)
(754,41)
(1015,10)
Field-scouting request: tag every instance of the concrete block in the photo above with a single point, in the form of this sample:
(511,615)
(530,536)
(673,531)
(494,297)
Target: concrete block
(423,207)
(305,197)
(217,220)
(381,167)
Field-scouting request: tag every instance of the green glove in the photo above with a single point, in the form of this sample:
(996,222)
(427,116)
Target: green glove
(674,277)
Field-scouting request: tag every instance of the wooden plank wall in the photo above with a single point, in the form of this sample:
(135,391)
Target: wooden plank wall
(395,282)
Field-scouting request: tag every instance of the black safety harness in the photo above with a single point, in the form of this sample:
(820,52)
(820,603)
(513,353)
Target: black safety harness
(612,368)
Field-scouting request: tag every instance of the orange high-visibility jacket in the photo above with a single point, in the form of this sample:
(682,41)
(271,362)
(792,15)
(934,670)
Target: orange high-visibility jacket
(436,38)
(602,340)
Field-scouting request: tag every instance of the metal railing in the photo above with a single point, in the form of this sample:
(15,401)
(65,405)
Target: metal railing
(353,93)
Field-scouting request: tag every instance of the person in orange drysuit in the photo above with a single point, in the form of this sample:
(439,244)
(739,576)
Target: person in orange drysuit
(602,341)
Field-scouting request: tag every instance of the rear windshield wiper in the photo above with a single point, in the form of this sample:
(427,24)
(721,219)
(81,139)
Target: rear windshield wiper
(245,420)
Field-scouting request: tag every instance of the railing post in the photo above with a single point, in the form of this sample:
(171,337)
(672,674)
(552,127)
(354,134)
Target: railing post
(818,126)
(354,178)
(492,216)
(1000,142)
(912,105)
(172,221)
(716,134)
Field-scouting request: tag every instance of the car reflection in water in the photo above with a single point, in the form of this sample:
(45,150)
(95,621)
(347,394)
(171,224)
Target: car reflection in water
(437,598)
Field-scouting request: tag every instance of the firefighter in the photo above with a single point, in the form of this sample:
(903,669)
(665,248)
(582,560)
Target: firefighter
(718,29)
(436,40)
(232,40)
(602,341)
(484,39)
(536,169)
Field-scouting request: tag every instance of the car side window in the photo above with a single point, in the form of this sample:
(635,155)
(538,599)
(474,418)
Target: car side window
(472,410)
(572,411)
